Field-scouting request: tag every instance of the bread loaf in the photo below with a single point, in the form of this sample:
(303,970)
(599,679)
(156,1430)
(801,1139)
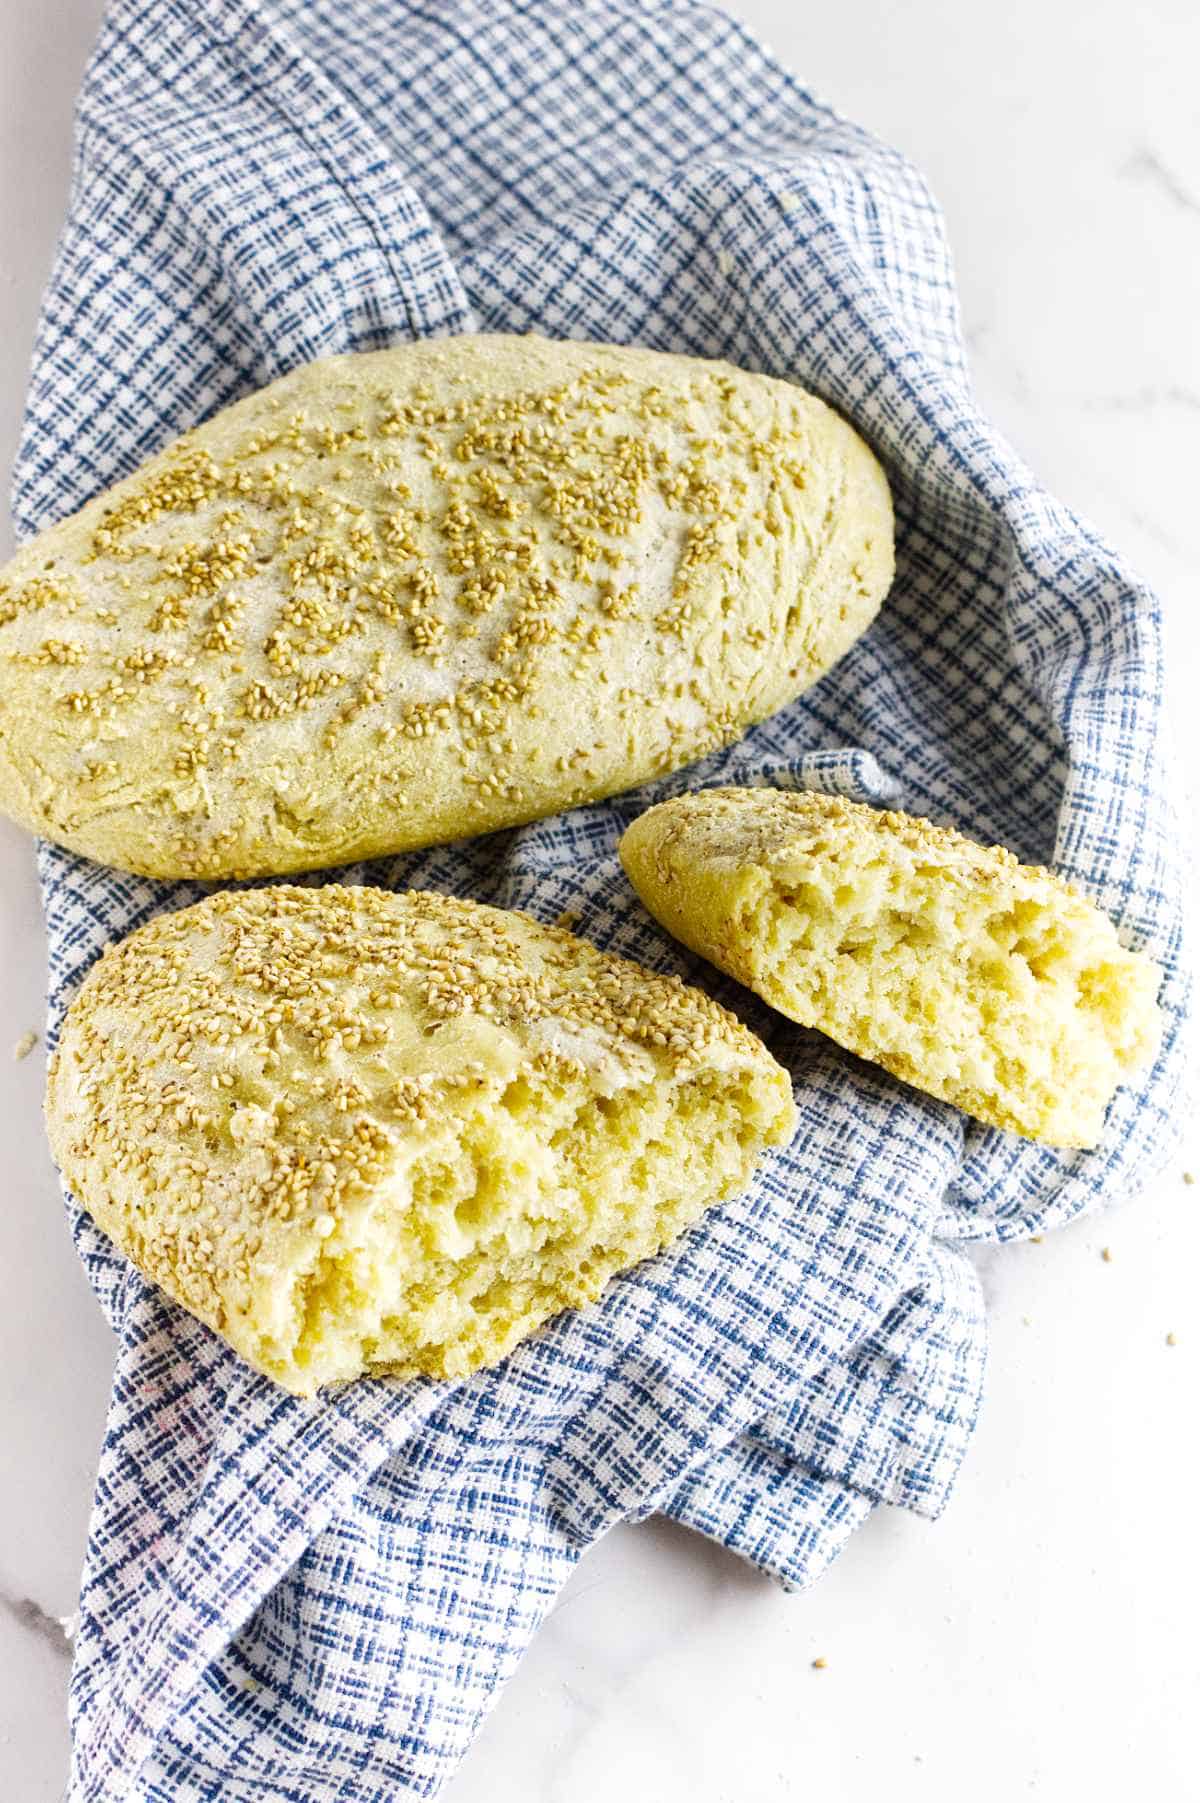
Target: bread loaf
(355,1131)
(401,597)
(987,982)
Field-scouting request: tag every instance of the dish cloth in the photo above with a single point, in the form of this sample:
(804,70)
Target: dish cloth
(284,1600)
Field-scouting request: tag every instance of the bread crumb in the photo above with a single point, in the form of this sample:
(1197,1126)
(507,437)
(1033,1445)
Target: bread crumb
(1037,1239)
(820,1664)
(568,920)
(724,262)
(25,1045)
(1171,1340)
(789,202)
(1106,1254)
(69,1625)
(1189,1177)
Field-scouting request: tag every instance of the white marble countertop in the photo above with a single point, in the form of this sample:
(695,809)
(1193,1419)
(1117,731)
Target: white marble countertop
(1040,1639)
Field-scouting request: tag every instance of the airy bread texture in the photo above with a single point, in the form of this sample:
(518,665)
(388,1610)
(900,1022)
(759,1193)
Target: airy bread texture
(405,596)
(359,1132)
(987,982)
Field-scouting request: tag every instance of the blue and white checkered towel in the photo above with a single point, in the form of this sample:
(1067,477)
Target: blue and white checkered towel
(288,1601)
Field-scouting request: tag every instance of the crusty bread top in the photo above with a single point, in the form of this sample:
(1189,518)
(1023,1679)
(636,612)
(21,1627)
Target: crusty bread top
(783,831)
(403,596)
(233,1077)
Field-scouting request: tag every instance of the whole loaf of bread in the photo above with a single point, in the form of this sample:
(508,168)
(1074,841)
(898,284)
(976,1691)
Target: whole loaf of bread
(405,596)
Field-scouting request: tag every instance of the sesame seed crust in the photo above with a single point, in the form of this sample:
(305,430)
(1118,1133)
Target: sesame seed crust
(310,630)
(240,1084)
(992,984)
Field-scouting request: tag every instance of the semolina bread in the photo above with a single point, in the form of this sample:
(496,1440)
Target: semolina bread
(356,1131)
(984,981)
(404,596)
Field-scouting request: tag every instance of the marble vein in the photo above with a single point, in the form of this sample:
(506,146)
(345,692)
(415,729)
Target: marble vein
(1146,400)
(1146,165)
(30,1615)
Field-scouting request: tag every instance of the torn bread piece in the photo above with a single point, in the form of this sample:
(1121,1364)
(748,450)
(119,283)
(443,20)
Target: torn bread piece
(355,1131)
(990,983)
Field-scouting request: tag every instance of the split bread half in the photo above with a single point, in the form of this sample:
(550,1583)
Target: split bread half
(989,983)
(356,1131)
